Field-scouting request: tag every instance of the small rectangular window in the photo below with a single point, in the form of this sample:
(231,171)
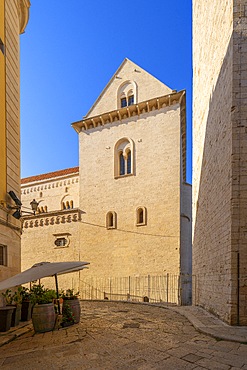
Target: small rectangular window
(60,242)
(3,255)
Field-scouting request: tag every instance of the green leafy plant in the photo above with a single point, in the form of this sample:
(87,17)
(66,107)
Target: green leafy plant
(13,298)
(8,296)
(41,295)
(68,317)
(69,294)
(17,298)
(25,294)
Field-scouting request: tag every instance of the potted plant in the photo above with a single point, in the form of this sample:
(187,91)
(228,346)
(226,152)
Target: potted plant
(5,317)
(68,317)
(43,316)
(14,300)
(72,299)
(26,305)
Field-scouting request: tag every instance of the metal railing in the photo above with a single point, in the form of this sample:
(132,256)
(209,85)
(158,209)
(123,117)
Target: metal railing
(169,288)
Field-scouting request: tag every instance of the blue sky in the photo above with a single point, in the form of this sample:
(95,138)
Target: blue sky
(69,52)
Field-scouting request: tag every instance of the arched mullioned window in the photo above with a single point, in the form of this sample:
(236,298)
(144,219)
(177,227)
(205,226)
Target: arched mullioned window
(111,220)
(67,205)
(141,216)
(127,94)
(123,158)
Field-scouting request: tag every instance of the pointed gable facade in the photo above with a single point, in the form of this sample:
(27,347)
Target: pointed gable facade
(126,81)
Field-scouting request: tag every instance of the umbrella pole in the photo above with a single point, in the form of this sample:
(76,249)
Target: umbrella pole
(59,309)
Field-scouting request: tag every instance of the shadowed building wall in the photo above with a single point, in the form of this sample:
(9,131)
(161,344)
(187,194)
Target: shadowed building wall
(13,19)
(219,157)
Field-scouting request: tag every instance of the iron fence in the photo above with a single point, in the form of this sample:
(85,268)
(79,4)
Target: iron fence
(169,288)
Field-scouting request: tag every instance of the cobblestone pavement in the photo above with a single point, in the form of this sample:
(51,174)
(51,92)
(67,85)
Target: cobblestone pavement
(115,335)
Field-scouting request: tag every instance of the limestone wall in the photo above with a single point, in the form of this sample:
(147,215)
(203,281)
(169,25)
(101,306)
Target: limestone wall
(130,249)
(216,167)
(186,226)
(53,192)
(12,97)
(41,231)
(10,227)
(239,164)
(38,244)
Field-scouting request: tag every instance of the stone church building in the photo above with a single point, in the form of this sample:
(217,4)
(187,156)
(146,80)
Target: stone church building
(127,208)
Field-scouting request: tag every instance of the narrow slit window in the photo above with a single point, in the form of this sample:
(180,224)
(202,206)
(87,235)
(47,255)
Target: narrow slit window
(123,102)
(141,216)
(129,162)
(131,100)
(122,164)
(111,220)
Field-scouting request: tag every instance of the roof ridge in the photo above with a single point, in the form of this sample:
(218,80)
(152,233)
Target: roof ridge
(49,175)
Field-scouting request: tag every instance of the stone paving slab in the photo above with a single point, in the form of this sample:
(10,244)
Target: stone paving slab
(15,332)
(121,336)
(210,325)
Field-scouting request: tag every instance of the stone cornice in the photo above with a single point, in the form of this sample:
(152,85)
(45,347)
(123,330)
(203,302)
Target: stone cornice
(23,13)
(48,184)
(128,112)
(52,218)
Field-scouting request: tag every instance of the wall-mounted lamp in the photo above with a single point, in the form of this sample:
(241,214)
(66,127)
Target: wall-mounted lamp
(18,211)
(34,205)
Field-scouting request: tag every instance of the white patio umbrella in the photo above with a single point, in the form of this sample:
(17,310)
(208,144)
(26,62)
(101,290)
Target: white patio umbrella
(41,270)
